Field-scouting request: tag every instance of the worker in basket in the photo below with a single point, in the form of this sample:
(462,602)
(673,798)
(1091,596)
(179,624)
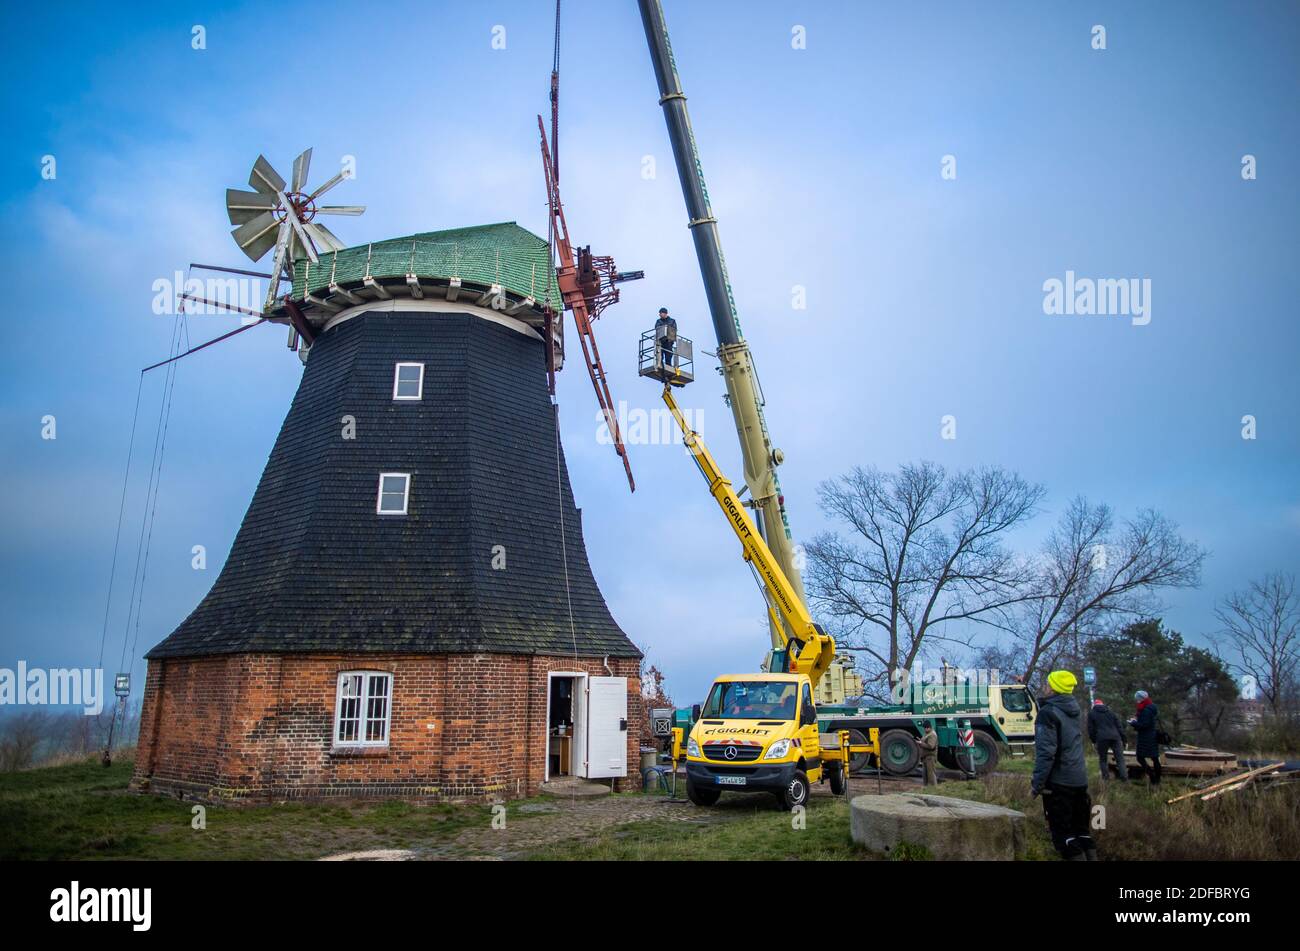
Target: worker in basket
(665,337)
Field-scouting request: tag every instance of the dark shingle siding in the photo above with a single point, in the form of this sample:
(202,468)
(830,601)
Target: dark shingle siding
(314,568)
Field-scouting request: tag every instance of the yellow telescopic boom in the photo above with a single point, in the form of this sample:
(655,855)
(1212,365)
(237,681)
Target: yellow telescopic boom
(812,649)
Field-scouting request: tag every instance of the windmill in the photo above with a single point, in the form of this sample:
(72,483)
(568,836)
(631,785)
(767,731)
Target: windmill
(282,216)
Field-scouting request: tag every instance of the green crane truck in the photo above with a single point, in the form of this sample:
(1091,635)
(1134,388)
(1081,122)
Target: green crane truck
(999,714)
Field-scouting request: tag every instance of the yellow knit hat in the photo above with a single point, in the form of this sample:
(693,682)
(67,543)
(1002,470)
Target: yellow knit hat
(1062,681)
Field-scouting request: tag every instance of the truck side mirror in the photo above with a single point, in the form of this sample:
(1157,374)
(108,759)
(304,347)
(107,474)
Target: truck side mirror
(695,712)
(808,715)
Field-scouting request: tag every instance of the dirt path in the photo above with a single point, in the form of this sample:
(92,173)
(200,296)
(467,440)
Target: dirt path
(551,821)
(559,820)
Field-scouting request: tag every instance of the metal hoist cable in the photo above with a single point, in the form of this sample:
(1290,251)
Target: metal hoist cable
(550,280)
(551,237)
(135,605)
(150,490)
(161,439)
(121,512)
(555,99)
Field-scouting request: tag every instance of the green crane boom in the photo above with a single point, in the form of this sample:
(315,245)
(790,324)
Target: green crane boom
(744,394)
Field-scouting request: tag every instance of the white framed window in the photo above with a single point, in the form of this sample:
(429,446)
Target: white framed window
(408,381)
(394,492)
(363,709)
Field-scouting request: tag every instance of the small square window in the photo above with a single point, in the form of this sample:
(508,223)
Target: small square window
(362,709)
(408,381)
(394,489)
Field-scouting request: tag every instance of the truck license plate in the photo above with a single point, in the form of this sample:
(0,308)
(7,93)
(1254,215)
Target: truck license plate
(731,780)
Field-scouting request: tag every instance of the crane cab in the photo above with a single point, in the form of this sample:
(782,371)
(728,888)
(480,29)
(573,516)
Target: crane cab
(668,361)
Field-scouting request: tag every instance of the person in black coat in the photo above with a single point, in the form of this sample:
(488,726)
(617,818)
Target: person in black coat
(666,337)
(1147,724)
(1107,734)
(1060,769)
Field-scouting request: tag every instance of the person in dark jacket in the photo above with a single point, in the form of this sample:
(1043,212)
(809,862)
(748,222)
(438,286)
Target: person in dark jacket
(1107,735)
(1060,774)
(666,336)
(1146,723)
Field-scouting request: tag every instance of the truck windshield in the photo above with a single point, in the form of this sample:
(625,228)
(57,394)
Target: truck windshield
(751,700)
(1015,701)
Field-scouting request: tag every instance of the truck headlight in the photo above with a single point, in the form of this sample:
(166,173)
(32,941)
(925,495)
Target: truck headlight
(777,750)
(693,748)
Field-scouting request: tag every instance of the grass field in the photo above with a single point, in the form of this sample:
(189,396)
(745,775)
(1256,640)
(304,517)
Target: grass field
(1138,824)
(753,831)
(83,811)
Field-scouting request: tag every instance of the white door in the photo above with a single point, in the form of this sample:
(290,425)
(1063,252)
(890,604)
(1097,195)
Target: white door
(606,727)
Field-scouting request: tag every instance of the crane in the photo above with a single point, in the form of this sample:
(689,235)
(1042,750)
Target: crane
(744,392)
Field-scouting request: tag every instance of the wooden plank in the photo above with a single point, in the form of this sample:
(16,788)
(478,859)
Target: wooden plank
(1242,777)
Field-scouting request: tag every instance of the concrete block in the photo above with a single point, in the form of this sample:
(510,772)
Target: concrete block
(949,829)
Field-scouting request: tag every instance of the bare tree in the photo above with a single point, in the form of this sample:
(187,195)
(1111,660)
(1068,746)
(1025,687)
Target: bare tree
(1092,571)
(21,735)
(926,551)
(1262,624)
(653,694)
(1000,657)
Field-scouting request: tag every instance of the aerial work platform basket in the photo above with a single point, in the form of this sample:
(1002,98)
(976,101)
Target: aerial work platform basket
(670,361)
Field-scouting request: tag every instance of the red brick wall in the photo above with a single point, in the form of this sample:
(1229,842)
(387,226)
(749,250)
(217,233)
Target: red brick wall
(260,726)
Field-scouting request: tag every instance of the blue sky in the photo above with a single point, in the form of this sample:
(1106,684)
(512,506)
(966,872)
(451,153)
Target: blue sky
(924,294)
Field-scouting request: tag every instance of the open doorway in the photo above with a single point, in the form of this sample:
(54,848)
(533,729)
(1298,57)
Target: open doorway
(566,728)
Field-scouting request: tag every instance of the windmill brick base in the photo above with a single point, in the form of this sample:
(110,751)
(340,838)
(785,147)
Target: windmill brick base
(258,727)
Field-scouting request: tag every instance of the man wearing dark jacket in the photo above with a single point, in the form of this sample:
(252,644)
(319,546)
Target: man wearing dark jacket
(666,337)
(1060,774)
(1107,735)
(1146,723)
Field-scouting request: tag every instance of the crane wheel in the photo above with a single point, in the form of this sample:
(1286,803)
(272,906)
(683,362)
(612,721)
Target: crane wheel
(899,752)
(795,792)
(701,795)
(835,772)
(986,753)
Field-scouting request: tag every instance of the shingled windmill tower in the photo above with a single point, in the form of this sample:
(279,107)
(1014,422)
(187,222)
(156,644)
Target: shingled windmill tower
(407,608)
